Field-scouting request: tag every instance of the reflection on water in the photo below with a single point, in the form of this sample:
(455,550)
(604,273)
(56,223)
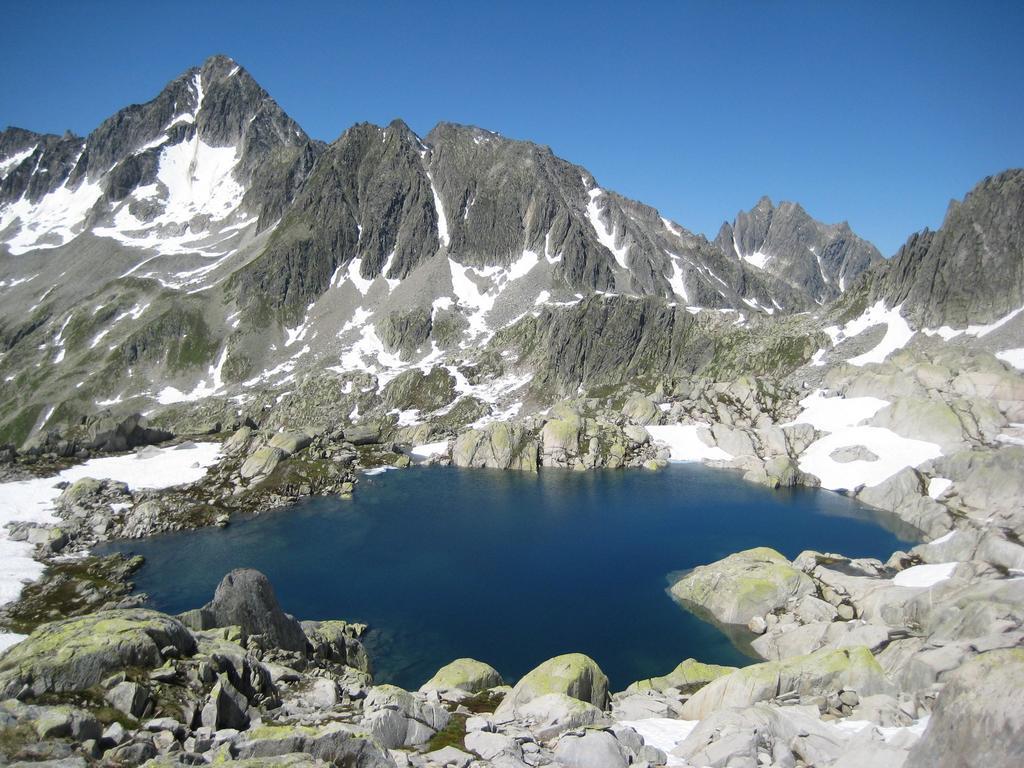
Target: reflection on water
(511,568)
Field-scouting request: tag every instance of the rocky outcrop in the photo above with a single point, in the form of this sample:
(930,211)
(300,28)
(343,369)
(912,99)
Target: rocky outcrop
(817,674)
(75,654)
(977,719)
(969,271)
(498,445)
(743,585)
(245,598)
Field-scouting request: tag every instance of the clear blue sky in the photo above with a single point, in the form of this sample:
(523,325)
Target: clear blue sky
(877,113)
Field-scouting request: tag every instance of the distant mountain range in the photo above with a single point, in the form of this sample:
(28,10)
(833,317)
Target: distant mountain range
(202,244)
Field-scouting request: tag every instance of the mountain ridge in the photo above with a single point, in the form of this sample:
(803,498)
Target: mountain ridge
(201,244)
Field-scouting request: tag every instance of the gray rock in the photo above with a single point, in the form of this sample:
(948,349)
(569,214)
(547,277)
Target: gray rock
(743,585)
(977,719)
(226,707)
(130,698)
(246,599)
(590,749)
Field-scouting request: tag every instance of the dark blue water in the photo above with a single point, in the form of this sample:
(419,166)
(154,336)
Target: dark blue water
(508,567)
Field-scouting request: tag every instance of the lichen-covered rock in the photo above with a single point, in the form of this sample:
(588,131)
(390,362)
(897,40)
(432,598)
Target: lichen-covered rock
(467,675)
(743,585)
(296,746)
(397,718)
(290,442)
(573,674)
(641,410)
(820,673)
(977,720)
(689,676)
(262,462)
(338,641)
(75,654)
(498,445)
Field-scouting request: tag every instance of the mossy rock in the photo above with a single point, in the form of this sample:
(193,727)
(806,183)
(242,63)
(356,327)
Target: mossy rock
(75,654)
(689,677)
(467,675)
(743,585)
(820,673)
(499,445)
(573,674)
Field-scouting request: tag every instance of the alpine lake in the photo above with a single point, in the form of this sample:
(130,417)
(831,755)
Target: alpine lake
(512,568)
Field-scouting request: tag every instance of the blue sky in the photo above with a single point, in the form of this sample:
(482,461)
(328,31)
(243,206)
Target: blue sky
(877,113)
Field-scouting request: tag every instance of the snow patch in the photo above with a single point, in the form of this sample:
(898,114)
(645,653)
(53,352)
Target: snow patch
(897,334)
(684,443)
(1014,357)
(442,220)
(169,395)
(978,331)
(924,575)
(32,501)
(938,486)
(52,221)
(604,236)
(427,450)
(663,733)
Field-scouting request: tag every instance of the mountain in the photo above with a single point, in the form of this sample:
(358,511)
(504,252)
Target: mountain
(969,271)
(203,245)
(814,259)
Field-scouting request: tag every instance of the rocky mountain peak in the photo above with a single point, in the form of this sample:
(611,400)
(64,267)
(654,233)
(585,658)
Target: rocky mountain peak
(971,270)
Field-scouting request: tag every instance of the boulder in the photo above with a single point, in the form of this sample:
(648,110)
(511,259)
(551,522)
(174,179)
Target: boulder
(245,598)
(299,746)
(363,434)
(130,698)
(589,749)
(819,673)
(560,440)
(338,641)
(641,411)
(107,433)
(977,720)
(76,654)
(922,419)
(398,719)
(262,462)
(498,445)
(238,441)
(467,675)
(225,707)
(290,442)
(553,713)
(689,676)
(743,585)
(573,674)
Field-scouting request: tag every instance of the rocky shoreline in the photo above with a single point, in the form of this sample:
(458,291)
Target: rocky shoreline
(858,655)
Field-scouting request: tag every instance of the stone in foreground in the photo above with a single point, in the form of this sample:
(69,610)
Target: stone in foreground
(573,674)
